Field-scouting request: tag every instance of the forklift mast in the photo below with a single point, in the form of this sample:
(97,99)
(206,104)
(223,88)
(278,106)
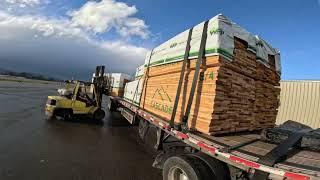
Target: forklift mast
(101,84)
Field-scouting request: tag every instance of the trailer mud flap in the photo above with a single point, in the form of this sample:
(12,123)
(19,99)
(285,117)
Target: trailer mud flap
(143,129)
(128,115)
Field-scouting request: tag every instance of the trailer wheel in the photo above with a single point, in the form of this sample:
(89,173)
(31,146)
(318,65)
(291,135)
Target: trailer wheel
(112,106)
(218,168)
(184,167)
(98,115)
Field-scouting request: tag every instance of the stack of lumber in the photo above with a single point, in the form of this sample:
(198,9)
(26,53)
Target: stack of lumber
(117,92)
(230,96)
(246,94)
(118,82)
(139,72)
(238,85)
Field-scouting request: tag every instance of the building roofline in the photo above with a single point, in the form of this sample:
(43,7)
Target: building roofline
(302,80)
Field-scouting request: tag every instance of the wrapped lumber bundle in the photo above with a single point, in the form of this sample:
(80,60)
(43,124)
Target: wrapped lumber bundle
(214,78)
(117,92)
(132,91)
(139,72)
(119,80)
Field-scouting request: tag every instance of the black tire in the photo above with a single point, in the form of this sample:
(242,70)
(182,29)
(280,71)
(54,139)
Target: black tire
(220,169)
(66,115)
(112,106)
(99,114)
(184,165)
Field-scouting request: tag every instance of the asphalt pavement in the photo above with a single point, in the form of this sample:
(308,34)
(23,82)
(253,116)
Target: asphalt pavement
(32,147)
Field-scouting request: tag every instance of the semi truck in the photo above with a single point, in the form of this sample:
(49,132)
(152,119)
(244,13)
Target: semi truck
(238,156)
(288,151)
(193,155)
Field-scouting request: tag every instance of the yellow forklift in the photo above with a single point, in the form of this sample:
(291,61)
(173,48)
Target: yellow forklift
(84,100)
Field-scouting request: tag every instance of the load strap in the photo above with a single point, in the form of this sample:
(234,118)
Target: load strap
(136,91)
(186,57)
(196,73)
(144,87)
(278,154)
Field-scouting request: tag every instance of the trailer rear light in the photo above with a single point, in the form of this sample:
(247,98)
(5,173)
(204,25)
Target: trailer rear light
(182,135)
(206,147)
(244,162)
(293,176)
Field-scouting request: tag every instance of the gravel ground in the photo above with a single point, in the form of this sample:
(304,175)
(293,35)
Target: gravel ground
(34,148)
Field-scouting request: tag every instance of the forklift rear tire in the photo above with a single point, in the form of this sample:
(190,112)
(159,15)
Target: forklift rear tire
(67,115)
(99,114)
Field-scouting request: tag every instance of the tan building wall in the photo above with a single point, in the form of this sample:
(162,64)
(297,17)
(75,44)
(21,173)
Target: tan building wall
(300,101)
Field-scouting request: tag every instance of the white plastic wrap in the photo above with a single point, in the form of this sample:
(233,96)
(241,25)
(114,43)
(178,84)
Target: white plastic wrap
(278,62)
(133,90)
(220,40)
(118,79)
(139,71)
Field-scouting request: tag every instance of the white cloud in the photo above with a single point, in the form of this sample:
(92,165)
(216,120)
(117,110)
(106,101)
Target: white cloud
(68,46)
(99,17)
(42,25)
(57,47)
(24,3)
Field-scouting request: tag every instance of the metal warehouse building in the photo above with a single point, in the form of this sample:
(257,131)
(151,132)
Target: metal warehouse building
(300,101)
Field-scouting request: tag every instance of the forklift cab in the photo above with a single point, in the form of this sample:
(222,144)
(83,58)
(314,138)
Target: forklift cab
(81,101)
(85,93)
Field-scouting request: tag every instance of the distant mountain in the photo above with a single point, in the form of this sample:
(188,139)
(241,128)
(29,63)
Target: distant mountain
(28,75)
(2,71)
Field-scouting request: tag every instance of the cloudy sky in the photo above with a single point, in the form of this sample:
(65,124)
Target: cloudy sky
(65,38)
(70,40)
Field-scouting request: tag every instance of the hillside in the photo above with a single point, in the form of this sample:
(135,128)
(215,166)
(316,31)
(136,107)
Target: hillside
(27,75)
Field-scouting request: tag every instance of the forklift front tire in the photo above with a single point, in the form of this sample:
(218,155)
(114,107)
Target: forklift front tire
(98,115)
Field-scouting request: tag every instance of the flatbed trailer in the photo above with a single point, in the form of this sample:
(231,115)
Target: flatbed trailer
(243,155)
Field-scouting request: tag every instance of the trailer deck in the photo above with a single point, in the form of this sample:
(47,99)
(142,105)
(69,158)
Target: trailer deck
(241,150)
(300,161)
